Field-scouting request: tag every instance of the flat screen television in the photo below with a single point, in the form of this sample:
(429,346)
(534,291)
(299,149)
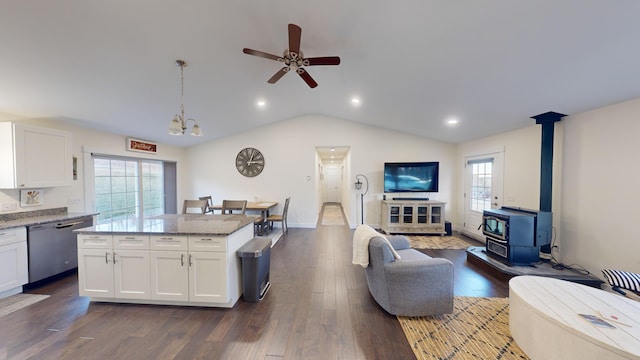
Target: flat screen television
(411,177)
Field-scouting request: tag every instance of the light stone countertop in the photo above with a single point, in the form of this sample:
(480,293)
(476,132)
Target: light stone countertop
(174,224)
(14,220)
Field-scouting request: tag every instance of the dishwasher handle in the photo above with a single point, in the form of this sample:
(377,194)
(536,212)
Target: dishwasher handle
(67,225)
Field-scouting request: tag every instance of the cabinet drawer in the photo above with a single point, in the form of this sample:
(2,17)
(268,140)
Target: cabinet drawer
(207,243)
(10,236)
(168,242)
(95,241)
(133,242)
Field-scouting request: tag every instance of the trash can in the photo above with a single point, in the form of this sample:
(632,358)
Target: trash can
(256,259)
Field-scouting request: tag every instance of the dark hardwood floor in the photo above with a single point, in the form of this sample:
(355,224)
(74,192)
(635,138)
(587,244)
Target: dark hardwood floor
(318,307)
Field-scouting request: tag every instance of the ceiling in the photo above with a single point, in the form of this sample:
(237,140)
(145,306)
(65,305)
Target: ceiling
(492,64)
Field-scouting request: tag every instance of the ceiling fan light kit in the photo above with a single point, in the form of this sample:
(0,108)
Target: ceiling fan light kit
(178,126)
(294,59)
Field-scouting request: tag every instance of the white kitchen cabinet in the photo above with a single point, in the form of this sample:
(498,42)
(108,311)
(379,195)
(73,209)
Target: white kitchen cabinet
(13,261)
(169,268)
(180,274)
(169,275)
(33,157)
(95,273)
(202,286)
(131,274)
(162,269)
(107,272)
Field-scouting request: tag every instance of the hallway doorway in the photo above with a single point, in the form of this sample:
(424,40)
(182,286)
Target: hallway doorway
(333,170)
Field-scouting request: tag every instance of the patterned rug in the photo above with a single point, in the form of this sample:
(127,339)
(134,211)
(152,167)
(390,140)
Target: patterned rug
(440,242)
(18,301)
(332,215)
(477,329)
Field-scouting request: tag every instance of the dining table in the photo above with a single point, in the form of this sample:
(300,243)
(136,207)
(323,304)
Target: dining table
(262,206)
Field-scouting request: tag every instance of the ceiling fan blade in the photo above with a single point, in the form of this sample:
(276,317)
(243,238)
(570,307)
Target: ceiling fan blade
(307,78)
(260,54)
(295,32)
(327,60)
(278,75)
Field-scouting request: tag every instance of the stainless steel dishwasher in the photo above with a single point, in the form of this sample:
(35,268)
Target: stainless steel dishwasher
(53,247)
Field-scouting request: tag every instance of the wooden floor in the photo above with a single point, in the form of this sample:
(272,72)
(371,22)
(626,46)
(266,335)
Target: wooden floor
(318,307)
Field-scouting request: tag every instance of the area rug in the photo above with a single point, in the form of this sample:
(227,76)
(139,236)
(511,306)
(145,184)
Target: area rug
(332,215)
(18,301)
(477,329)
(439,242)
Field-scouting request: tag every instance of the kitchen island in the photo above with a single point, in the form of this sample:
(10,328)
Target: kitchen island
(169,259)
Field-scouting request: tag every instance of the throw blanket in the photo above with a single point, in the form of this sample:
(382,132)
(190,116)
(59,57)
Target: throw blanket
(361,238)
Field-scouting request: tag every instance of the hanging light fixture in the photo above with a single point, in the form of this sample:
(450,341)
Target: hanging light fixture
(179,124)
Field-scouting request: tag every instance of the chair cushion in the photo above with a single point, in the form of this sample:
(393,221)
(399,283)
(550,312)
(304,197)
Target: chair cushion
(623,279)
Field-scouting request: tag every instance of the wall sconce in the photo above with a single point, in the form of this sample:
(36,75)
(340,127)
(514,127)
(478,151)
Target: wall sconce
(358,185)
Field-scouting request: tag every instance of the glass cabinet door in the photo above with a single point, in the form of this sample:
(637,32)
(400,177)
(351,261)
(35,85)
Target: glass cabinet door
(422,214)
(394,214)
(407,214)
(436,214)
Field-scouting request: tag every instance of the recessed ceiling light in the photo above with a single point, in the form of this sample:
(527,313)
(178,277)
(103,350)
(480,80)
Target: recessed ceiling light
(355,101)
(452,121)
(261,103)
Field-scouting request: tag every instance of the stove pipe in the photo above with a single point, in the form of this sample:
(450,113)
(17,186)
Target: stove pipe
(547,120)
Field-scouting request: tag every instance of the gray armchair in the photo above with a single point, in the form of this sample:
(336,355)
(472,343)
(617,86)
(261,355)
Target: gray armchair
(415,285)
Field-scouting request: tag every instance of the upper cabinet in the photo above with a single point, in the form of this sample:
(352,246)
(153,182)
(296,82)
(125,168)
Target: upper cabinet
(32,157)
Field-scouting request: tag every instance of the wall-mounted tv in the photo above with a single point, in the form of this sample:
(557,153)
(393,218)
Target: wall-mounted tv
(411,177)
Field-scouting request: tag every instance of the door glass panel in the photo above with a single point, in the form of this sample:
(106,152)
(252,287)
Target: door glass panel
(127,188)
(480,198)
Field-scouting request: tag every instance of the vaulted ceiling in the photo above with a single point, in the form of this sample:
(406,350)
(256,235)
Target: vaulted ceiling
(414,64)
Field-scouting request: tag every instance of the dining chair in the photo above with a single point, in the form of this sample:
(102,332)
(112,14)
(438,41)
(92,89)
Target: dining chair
(201,205)
(209,203)
(231,205)
(280,218)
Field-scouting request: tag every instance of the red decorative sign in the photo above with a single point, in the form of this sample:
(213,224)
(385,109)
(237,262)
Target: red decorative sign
(141,146)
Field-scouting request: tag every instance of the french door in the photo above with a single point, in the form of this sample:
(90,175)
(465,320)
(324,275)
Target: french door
(483,189)
(127,188)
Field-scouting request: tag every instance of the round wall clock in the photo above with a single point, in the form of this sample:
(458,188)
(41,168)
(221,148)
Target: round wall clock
(250,162)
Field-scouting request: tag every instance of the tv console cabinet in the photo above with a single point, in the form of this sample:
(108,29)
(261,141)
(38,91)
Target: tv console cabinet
(413,217)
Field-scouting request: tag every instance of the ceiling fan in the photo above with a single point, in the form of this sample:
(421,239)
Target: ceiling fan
(293,58)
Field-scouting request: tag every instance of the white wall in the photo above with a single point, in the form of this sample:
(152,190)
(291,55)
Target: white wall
(73,197)
(289,149)
(601,199)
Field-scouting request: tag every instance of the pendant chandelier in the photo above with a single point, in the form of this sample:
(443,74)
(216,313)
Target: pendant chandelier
(178,125)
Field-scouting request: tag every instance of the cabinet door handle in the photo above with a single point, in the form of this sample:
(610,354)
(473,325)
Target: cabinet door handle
(181,259)
(106,257)
(114,257)
(190,262)
(206,239)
